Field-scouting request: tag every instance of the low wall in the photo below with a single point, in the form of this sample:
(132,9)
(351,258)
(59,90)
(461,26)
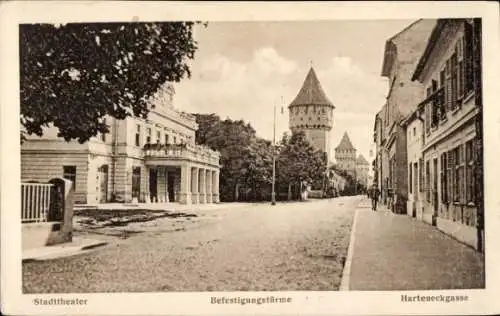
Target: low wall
(461,232)
(315,194)
(35,235)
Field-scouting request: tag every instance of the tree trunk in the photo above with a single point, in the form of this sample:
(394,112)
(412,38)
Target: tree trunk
(237,192)
(289,197)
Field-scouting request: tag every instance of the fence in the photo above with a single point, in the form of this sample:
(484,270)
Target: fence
(35,202)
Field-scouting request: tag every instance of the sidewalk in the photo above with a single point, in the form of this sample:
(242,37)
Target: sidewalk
(173,207)
(395,252)
(78,245)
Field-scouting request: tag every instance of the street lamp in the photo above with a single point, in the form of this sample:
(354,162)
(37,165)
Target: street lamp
(273,192)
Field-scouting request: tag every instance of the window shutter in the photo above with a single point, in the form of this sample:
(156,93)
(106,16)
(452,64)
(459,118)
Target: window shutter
(467,51)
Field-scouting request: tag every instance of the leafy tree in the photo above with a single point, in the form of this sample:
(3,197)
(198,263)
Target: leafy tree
(73,75)
(298,161)
(235,140)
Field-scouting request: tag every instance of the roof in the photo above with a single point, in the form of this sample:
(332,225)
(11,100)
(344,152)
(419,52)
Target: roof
(361,160)
(345,143)
(311,92)
(436,32)
(390,50)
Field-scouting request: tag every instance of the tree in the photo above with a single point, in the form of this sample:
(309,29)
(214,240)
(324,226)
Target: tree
(298,161)
(235,142)
(73,75)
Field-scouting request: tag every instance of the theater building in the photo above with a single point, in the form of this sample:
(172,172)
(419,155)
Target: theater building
(140,160)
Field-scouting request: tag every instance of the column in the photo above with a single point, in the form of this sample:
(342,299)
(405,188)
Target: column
(215,186)
(203,186)
(194,185)
(209,186)
(185,194)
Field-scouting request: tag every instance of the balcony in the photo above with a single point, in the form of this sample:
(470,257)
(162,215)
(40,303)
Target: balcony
(165,154)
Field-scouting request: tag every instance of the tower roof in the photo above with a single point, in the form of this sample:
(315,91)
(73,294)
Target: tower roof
(311,92)
(345,143)
(361,160)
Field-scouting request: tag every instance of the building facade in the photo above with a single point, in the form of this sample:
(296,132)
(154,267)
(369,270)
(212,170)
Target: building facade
(362,170)
(139,160)
(312,112)
(449,110)
(414,127)
(345,155)
(401,55)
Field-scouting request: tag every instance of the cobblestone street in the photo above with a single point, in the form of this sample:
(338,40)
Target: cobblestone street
(290,246)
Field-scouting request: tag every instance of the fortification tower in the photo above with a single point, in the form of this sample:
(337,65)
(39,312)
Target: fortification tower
(312,112)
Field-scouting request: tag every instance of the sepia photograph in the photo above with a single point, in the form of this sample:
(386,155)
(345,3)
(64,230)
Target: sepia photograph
(256,157)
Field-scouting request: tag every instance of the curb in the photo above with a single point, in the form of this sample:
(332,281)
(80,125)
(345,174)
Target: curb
(70,251)
(346,273)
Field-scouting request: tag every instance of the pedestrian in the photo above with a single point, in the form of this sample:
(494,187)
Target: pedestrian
(374,195)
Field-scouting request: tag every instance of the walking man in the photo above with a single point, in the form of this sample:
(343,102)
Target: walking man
(374,195)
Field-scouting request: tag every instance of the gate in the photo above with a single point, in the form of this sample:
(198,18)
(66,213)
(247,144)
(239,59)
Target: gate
(35,202)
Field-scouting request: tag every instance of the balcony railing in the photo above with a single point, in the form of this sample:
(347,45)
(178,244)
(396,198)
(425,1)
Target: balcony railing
(198,153)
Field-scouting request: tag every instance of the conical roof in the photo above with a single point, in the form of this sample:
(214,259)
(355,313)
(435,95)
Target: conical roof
(361,160)
(311,92)
(345,143)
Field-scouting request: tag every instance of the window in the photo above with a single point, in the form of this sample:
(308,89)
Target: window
(421,175)
(415,176)
(175,140)
(428,180)
(444,189)
(454,81)
(148,136)
(458,195)
(69,172)
(410,178)
(138,135)
(460,69)
(467,52)
(450,165)
(428,117)
(470,174)
(166,138)
(414,131)
(158,136)
(103,135)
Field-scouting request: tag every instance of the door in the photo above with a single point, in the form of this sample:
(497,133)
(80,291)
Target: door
(435,191)
(153,184)
(103,183)
(170,187)
(136,183)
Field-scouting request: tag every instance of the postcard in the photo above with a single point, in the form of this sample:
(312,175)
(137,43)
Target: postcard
(248,158)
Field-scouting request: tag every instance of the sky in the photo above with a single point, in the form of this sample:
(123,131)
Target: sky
(243,69)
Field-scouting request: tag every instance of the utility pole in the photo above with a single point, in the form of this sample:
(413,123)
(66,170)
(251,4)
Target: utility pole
(273,192)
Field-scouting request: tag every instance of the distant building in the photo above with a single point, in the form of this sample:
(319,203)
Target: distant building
(345,155)
(152,160)
(312,112)
(414,127)
(362,170)
(449,108)
(401,55)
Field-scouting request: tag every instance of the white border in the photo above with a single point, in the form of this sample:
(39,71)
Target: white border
(316,303)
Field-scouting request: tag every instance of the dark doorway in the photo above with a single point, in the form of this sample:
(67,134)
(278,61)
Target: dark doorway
(435,192)
(103,183)
(136,183)
(170,186)
(153,185)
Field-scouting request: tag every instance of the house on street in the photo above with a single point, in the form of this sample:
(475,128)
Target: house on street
(362,170)
(345,155)
(401,55)
(141,160)
(448,109)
